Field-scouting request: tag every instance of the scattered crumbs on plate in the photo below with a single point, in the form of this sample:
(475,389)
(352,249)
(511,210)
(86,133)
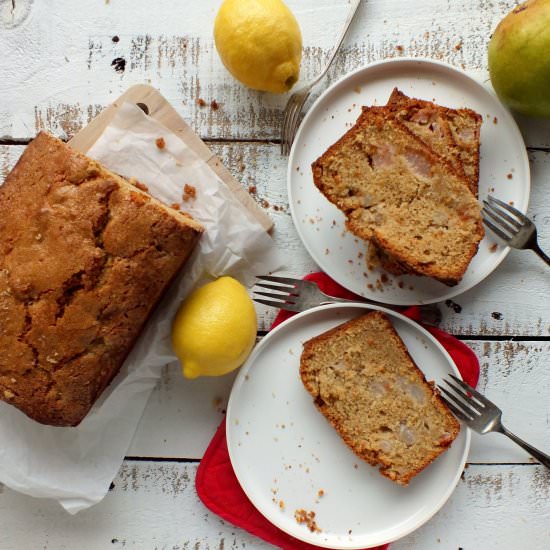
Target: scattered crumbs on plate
(509,175)
(350,262)
(321,493)
(246,433)
(303,517)
(282,504)
(349,531)
(239,444)
(311,220)
(333,223)
(491,189)
(299,201)
(359,255)
(297,168)
(357,89)
(495,120)
(511,203)
(175,206)
(356,466)
(463,66)
(214,105)
(400,48)
(370,287)
(493,247)
(332,117)
(497,315)
(458,46)
(252,189)
(200,102)
(160,143)
(400,284)
(264,203)
(327,251)
(216,402)
(290,351)
(411,287)
(246,377)
(283,426)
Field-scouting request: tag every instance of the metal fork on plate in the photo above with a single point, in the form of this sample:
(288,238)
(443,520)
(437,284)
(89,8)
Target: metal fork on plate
(291,115)
(298,295)
(480,414)
(513,227)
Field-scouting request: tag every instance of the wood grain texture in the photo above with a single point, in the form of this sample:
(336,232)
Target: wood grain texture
(154,506)
(182,415)
(57,72)
(513,301)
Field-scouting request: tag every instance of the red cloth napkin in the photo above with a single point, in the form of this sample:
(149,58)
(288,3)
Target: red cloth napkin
(216,483)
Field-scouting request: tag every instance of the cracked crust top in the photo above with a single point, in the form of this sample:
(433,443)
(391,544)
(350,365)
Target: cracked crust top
(84,258)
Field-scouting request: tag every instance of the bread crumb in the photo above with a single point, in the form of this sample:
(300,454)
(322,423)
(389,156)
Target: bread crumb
(200,102)
(495,120)
(138,184)
(493,247)
(321,493)
(175,206)
(8,394)
(214,105)
(161,144)
(252,189)
(509,176)
(308,518)
(189,192)
(458,46)
(399,48)
(282,504)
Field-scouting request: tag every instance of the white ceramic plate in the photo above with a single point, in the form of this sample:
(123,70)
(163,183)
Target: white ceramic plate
(504,173)
(283,450)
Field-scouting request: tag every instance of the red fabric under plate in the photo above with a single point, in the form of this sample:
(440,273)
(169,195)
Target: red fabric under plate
(216,483)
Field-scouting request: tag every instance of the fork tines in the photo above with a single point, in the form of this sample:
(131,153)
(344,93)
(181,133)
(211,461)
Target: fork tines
(505,220)
(466,403)
(282,297)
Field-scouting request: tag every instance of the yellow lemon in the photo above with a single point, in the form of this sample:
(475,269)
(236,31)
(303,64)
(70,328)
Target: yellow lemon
(214,329)
(260,43)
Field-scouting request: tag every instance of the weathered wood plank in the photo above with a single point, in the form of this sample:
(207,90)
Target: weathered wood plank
(513,301)
(54,78)
(182,415)
(154,505)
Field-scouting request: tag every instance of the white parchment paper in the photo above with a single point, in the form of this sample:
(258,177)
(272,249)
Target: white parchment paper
(76,465)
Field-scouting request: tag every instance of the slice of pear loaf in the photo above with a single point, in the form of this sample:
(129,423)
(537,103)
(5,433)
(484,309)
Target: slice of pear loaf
(366,384)
(397,193)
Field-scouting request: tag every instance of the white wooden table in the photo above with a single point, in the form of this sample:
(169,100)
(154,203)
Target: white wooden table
(62,61)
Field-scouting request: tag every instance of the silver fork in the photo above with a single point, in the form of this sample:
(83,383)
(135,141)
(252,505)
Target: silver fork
(483,416)
(513,227)
(298,295)
(295,104)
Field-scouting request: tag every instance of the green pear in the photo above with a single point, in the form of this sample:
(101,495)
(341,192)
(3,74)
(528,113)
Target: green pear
(519,58)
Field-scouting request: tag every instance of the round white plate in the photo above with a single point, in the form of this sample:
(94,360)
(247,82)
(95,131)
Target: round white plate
(284,451)
(504,173)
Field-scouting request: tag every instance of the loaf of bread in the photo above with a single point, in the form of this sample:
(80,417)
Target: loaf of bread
(400,195)
(366,384)
(84,258)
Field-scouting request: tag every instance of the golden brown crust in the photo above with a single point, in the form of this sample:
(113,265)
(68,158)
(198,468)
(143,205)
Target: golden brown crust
(84,258)
(345,368)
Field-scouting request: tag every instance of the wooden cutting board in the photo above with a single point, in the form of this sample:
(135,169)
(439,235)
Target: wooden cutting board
(158,108)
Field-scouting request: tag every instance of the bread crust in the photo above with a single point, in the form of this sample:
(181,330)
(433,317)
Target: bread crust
(315,352)
(84,258)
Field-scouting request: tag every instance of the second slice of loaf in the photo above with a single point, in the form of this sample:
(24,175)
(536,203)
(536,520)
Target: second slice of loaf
(397,193)
(366,384)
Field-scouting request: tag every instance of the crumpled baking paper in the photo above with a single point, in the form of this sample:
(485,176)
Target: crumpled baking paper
(76,465)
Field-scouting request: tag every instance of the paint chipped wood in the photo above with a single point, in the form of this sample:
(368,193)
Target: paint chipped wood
(154,505)
(56,79)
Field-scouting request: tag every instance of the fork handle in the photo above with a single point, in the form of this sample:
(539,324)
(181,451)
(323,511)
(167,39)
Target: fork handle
(538,250)
(347,24)
(543,458)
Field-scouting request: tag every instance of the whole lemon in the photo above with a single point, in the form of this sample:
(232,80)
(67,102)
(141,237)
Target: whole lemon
(519,58)
(214,329)
(260,43)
